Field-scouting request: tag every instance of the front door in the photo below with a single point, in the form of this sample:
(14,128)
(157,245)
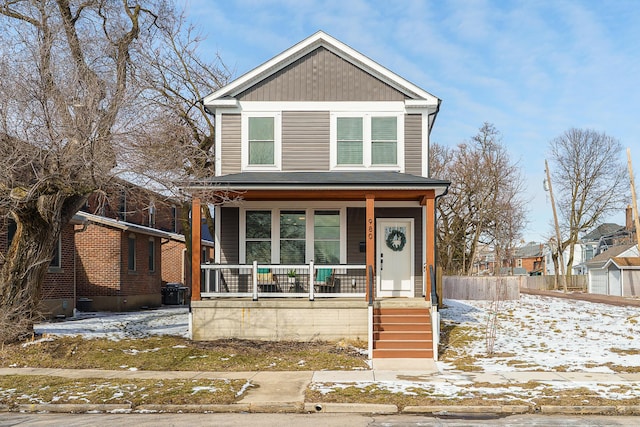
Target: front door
(395,257)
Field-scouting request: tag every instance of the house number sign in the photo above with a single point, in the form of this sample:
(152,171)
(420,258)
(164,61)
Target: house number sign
(370,230)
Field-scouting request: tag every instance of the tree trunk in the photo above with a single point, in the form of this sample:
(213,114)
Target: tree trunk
(38,227)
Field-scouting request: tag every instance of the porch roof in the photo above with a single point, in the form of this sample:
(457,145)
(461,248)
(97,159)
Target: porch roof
(373,181)
(382,185)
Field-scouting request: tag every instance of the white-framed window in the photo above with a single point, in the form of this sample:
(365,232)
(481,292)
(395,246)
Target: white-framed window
(372,140)
(293,236)
(261,141)
(257,233)
(326,233)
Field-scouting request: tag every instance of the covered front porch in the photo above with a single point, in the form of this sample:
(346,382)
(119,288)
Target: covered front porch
(370,280)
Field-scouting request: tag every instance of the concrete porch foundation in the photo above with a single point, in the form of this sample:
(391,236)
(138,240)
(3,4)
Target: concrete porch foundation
(279,319)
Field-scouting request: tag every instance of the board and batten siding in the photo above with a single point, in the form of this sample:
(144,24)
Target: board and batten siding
(413,144)
(229,245)
(231,144)
(321,75)
(305,141)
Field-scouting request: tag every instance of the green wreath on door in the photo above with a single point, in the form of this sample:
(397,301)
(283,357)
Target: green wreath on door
(396,240)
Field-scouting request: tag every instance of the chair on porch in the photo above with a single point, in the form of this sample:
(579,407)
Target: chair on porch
(267,281)
(324,281)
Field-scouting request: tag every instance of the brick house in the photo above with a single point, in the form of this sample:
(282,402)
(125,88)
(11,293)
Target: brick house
(115,254)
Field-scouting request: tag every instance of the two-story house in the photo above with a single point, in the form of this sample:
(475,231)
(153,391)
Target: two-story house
(328,152)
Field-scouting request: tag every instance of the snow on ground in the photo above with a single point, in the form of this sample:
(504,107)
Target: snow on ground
(138,324)
(533,333)
(544,333)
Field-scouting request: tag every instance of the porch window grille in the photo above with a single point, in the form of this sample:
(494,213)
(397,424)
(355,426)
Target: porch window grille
(384,140)
(261,141)
(326,230)
(349,140)
(258,236)
(292,237)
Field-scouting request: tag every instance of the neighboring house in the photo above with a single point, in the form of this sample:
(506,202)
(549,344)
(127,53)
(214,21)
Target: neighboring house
(615,272)
(328,151)
(577,267)
(118,259)
(528,259)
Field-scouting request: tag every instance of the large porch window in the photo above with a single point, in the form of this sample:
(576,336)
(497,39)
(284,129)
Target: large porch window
(258,236)
(293,236)
(326,228)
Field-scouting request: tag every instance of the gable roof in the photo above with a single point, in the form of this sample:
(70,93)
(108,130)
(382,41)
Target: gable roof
(603,230)
(600,260)
(224,96)
(530,250)
(84,218)
(625,263)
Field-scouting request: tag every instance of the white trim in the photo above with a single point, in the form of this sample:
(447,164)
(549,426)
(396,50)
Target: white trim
(307,45)
(332,106)
(217,221)
(366,143)
(410,241)
(425,145)
(218,143)
(277,141)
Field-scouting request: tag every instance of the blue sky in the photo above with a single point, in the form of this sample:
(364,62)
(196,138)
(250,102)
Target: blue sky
(532,68)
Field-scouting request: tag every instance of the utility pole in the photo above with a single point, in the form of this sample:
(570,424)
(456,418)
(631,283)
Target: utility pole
(558,238)
(633,198)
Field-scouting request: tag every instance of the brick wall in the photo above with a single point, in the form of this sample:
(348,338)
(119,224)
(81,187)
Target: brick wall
(98,262)
(58,283)
(173,262)
(142,280)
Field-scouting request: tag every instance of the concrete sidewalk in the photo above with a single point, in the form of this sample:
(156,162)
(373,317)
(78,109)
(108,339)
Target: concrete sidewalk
(280,391)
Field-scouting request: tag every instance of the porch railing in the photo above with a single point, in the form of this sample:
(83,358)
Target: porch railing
(283,281)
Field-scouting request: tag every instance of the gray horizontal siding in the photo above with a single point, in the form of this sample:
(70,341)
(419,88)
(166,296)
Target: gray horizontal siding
(413,144)
(231,142)
(305,141)
(321,75)
(230,226)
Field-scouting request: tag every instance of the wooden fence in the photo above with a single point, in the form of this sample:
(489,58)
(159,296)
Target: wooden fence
(500,287)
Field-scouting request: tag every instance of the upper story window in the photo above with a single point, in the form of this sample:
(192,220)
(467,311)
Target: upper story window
(261,141)
(367,141)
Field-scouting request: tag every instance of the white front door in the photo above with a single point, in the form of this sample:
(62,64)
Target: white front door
(395,257)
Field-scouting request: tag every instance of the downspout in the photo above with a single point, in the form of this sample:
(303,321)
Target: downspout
(85,224)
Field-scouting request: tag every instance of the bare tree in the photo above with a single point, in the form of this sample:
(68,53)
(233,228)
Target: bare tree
(66,98)
(179,143)
(484,205)
(589,177)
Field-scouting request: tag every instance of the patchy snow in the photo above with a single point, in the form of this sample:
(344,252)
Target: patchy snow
(533,333)
(544,333)
(138,324)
